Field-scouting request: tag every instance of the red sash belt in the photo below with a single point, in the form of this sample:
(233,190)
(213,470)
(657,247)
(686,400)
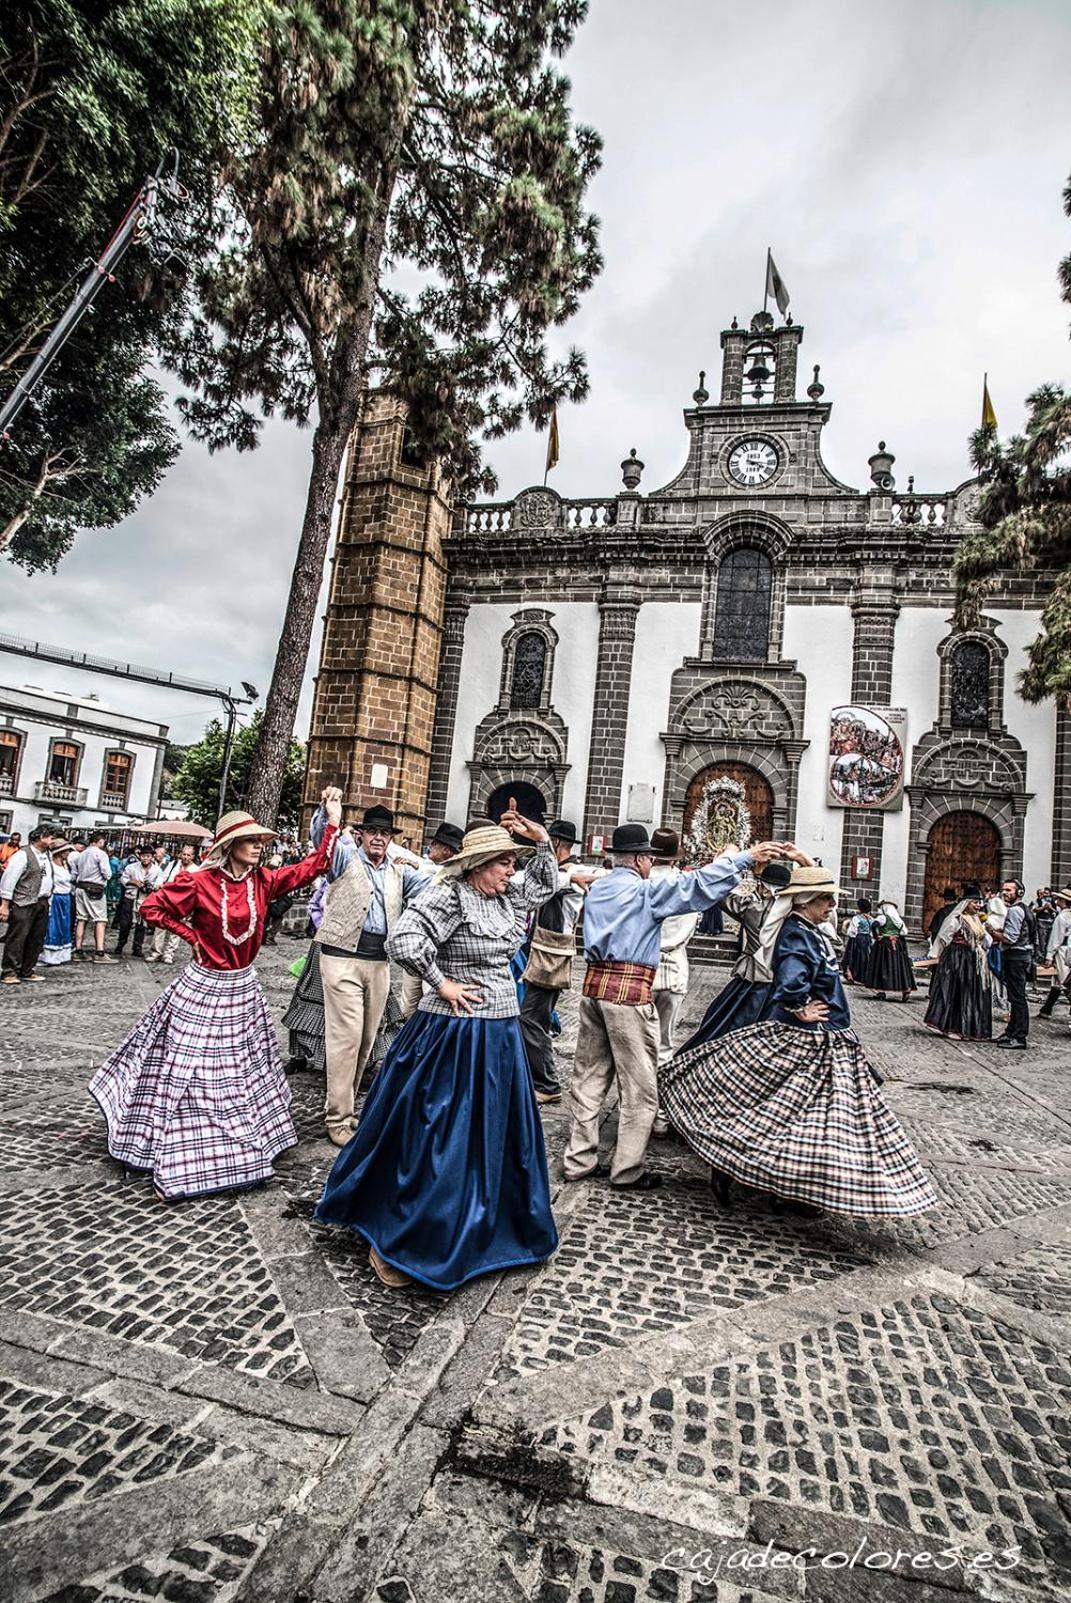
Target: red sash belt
(626,983)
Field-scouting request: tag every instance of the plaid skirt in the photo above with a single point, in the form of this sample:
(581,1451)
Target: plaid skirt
(196,1093)
(797,1113)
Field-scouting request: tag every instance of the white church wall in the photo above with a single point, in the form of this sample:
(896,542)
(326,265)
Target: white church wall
(819,641)
(1035,728)
(572,691)
(666,632)
(916,685)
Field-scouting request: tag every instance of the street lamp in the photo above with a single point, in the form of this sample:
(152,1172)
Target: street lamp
(232,705)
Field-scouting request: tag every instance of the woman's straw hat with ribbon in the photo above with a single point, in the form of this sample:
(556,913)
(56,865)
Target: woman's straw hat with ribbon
(482,845)
(808,882)
(234,827)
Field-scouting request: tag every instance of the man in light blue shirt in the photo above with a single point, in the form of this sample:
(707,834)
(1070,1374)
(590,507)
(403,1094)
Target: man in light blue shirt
(618,1036)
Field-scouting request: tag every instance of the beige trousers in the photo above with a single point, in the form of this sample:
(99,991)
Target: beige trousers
(619,1042)
(412,991)
(164,945)
(355,995)
(669,1004)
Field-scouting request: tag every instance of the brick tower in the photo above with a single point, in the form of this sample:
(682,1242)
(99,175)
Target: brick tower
(374,705)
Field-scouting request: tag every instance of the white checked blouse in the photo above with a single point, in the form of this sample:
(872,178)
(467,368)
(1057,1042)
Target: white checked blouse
(452,932)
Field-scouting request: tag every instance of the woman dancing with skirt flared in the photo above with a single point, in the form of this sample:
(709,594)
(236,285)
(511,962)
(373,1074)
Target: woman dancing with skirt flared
(791,1106)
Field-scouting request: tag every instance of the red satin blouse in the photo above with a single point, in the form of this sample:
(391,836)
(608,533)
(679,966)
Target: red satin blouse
(192,905)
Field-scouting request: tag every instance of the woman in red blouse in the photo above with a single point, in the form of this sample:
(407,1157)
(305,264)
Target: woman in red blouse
(196,1093)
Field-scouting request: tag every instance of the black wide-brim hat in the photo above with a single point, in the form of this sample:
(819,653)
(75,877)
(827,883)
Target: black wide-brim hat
(630,838)
(377,818)
(447,835)
(564,831)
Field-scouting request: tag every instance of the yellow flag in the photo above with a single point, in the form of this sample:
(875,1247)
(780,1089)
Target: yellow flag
(552,442)
(989,417)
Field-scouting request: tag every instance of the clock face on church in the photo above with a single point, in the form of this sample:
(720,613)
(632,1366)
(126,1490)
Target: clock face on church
(752,462)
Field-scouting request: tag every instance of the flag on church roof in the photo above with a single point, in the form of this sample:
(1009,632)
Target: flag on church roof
(552,441)
(989,417)
(775,285)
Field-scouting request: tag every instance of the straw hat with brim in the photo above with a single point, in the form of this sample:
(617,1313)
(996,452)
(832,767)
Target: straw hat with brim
(480,846)
(807,882)
(59,846)
(233,827)
(1065,894)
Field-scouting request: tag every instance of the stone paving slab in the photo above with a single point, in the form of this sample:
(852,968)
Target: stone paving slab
(682,1393)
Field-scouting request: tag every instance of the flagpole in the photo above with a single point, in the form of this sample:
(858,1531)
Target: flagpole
(766,281)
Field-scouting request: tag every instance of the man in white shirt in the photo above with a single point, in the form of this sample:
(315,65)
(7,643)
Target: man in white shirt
(671,981)
(137,879)
(164,943)
(90,875)
(25,889)
(1058,953)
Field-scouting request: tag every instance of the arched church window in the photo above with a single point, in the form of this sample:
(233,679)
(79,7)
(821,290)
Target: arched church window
(969,675)
(529,670)
(742,615)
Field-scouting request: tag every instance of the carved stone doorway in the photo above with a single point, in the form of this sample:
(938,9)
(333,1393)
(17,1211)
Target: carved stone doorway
(757,795)
(961,847)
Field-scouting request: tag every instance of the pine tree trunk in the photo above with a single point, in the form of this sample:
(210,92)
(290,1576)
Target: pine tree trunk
(277,728)
(338,415)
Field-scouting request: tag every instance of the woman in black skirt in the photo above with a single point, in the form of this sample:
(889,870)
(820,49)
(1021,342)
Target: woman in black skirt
(889,968)
(961,1002)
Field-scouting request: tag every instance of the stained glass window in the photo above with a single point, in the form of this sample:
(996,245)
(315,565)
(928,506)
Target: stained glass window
(529,668)
(970,685)
(742,617)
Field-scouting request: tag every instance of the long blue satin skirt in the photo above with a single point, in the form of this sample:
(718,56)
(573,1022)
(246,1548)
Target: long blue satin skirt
(446,1176)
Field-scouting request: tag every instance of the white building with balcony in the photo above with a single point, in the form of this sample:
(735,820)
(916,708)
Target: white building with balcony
(73,760)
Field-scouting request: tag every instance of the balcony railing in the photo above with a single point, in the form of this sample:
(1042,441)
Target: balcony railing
(113,801)
(49,790)
(7,784)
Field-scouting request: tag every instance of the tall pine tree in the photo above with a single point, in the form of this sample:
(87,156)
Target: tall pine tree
(92,95)
(1025,512)
(412,211)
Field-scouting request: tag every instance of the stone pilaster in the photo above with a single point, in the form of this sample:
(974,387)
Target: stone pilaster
(618,611)
(453,644)
(1061,802)
(874,610)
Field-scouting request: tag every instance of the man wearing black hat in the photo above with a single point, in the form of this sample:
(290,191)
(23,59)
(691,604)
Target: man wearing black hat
(558,917)
(618,1036)
(25,890)
(444,844)
(368,892)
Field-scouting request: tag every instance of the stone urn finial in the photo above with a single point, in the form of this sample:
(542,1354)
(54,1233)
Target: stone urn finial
(881,467)
(702,395)
(632,470)
(816,389)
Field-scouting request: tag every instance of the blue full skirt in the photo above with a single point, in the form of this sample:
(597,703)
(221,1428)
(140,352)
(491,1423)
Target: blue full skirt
(738,1004)
(446,1176)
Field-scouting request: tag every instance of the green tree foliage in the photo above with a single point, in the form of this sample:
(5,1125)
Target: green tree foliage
(92,94)
(412,211)
(1025,512)
(197,781)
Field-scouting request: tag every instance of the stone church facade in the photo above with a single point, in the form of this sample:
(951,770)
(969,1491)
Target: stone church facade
(612,655)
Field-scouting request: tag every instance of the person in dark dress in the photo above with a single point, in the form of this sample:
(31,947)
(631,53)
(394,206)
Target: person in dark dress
(858,942)
(961,1001)
(446,1175)
(889,968)
(791,1105)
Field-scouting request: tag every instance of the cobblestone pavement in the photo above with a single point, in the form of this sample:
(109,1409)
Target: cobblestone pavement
(218,1401)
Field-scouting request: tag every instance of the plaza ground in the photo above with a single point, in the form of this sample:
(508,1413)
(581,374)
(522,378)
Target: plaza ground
(218,1400)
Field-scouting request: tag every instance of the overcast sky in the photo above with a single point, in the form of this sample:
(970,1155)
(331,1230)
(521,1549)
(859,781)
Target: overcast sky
(905,161)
